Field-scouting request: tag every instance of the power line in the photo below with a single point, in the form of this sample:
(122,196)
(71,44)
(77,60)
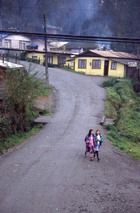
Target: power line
(76,38)
(35,51)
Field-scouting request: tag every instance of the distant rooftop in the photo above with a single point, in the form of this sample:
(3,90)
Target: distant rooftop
(80,45)
(54,27)
(57,44)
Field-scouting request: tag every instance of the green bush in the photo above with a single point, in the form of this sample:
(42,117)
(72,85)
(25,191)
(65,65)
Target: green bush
(110,111)
(21,90)
(132,138)
(113,98)
(110,82)
(118,86)
(5,128)
(36,61)
(22,56)
(50,65)
(136,85)
(111,128)
(114,136)
(46,112)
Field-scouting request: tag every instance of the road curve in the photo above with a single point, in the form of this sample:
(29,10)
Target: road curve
(49,173)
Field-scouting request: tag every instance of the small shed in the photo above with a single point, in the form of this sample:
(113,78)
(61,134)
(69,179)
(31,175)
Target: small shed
(131,68)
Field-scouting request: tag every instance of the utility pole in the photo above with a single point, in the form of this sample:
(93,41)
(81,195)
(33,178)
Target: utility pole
(138,66)
(46,57)
(138,50)
(0,28)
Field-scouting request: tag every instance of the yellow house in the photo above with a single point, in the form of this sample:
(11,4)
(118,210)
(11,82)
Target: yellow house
(103,63)
(54,57)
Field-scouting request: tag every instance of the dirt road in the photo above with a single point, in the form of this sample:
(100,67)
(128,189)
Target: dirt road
(49,172)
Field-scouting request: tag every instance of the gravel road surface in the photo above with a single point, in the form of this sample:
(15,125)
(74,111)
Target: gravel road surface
(49,172)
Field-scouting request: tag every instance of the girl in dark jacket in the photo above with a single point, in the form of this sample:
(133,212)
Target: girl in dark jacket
(99,140)
(90,143)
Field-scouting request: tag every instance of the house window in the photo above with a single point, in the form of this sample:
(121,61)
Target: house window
(50,59)
(96,64)
(22,45)
(7,43)
(82,64)
(34,57)
(113,65)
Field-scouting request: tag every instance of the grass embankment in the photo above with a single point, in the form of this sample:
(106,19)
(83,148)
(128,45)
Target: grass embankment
(9,142)
(123,105)
(18,138)
(72,70)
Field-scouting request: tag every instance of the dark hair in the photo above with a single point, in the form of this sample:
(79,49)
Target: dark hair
(89,134)
(97,131)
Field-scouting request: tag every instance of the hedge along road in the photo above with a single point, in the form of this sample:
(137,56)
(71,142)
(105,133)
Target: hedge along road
(49,173)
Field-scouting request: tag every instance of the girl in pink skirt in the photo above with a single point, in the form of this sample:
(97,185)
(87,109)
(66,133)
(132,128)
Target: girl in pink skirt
(90,143)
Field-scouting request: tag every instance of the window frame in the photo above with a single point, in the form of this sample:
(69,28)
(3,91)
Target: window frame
(80,66)
(113,65)
(97,65)
(22,45)
(50,57)
(8,43)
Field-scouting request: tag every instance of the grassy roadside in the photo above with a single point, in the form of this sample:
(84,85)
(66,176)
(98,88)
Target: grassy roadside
(14,139)
(71,70)
(20,137)
(123,105)
(46,91)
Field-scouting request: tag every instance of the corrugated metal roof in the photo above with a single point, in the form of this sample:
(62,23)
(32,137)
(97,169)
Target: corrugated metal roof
(112,54)
(123,61)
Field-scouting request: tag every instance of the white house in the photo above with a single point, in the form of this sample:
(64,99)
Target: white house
(16,42)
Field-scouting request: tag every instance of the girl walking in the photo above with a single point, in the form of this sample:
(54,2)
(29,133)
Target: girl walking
(99,140)
(90,143)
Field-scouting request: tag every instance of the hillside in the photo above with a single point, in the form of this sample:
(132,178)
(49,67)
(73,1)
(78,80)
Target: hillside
(123,105)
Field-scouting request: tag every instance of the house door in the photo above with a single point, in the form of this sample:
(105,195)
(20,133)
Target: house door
(59,61)
(106,68)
